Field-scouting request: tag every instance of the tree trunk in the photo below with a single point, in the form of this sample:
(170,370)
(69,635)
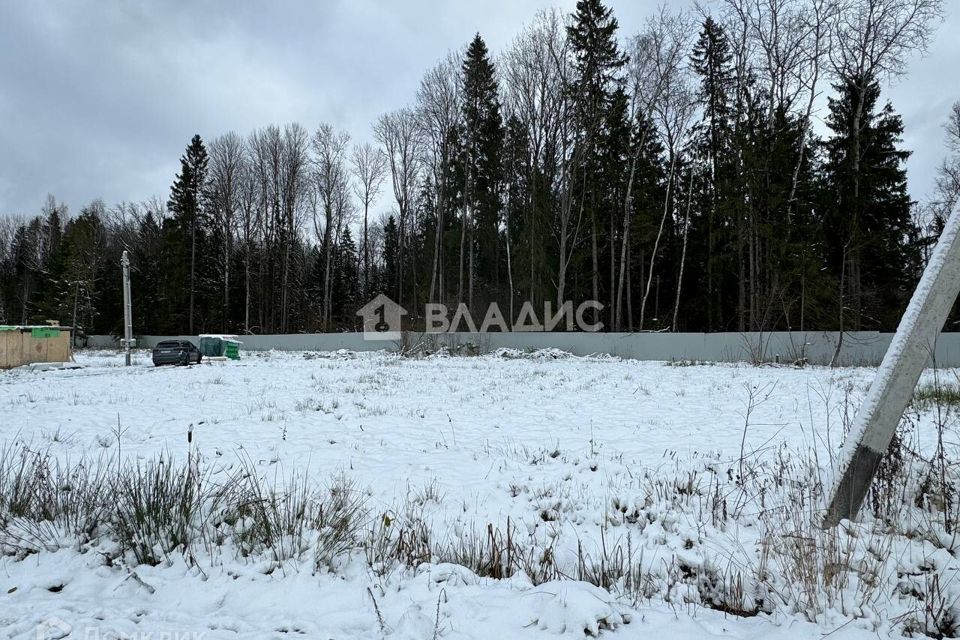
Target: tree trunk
(436,251)
(471,269)
(656,243)
(246,286)
(366,248)
(629,290)
(625,241)
(683,252)
(509,265)
(854,254)
(594,260)
(328,261)
(193,259)
(227,251)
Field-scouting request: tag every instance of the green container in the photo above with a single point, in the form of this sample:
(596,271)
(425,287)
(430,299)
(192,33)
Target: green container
(212,347)
(220,346)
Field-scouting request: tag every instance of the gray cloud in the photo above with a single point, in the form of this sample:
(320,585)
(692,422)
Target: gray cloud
(100,99)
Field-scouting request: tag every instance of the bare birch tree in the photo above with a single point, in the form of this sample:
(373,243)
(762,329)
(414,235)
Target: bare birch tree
(399,135)
(673,113)
(294,181)
(535,69)
(656,60)
(439,101)
(948,176)
(369,166)
(332,177)
(225,175)
(249,223)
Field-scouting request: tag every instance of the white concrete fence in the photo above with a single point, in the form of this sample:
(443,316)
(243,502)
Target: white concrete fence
(861,348)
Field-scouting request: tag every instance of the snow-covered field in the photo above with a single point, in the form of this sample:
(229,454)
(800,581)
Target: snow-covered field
(595,470)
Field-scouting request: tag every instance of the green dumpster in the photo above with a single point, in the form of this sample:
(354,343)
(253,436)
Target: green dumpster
(211,347)
(220,346)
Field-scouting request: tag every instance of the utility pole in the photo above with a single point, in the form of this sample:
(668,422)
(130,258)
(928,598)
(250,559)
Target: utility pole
(911,349)
(128,341)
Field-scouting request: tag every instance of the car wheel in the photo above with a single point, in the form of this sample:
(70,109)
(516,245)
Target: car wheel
(184,359)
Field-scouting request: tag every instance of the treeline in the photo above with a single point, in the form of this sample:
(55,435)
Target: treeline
(674,175)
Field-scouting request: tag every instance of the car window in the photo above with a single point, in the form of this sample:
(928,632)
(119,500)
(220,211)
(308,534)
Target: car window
(168,344)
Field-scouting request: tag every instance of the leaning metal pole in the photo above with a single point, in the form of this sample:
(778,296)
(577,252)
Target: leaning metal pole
(911,349)
(127,307)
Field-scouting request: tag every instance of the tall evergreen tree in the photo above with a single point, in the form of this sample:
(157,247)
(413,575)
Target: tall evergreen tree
(84,241)
(597,61)
(872,238)
(712,61)
(390,275)
(147,275)
(186,203)
(482,150)
(346,281)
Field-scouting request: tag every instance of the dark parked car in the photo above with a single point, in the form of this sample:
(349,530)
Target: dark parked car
(176,352)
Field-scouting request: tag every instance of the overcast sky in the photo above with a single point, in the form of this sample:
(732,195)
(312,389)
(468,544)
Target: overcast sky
(99,99)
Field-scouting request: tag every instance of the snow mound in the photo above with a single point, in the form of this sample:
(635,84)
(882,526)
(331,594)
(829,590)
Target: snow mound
(536,354)
(574,609)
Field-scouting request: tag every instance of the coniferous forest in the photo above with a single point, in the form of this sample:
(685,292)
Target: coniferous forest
(737,171)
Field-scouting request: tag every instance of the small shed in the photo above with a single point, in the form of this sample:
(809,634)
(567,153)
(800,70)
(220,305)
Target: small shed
(26,344)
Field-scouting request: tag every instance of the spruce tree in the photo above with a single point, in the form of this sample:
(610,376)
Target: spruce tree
(147,275)
(390,276)
(712,61)
(187,195)
(597,62)
(54,285)
(84,242)
(482,151)
(346,281)
(870,232)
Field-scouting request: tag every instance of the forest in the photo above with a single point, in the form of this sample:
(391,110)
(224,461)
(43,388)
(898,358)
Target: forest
(730,168)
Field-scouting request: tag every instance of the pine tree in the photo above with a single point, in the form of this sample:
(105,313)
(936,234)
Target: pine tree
(186,203)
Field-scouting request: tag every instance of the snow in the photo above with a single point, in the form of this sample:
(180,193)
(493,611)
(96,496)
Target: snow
(570,452)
